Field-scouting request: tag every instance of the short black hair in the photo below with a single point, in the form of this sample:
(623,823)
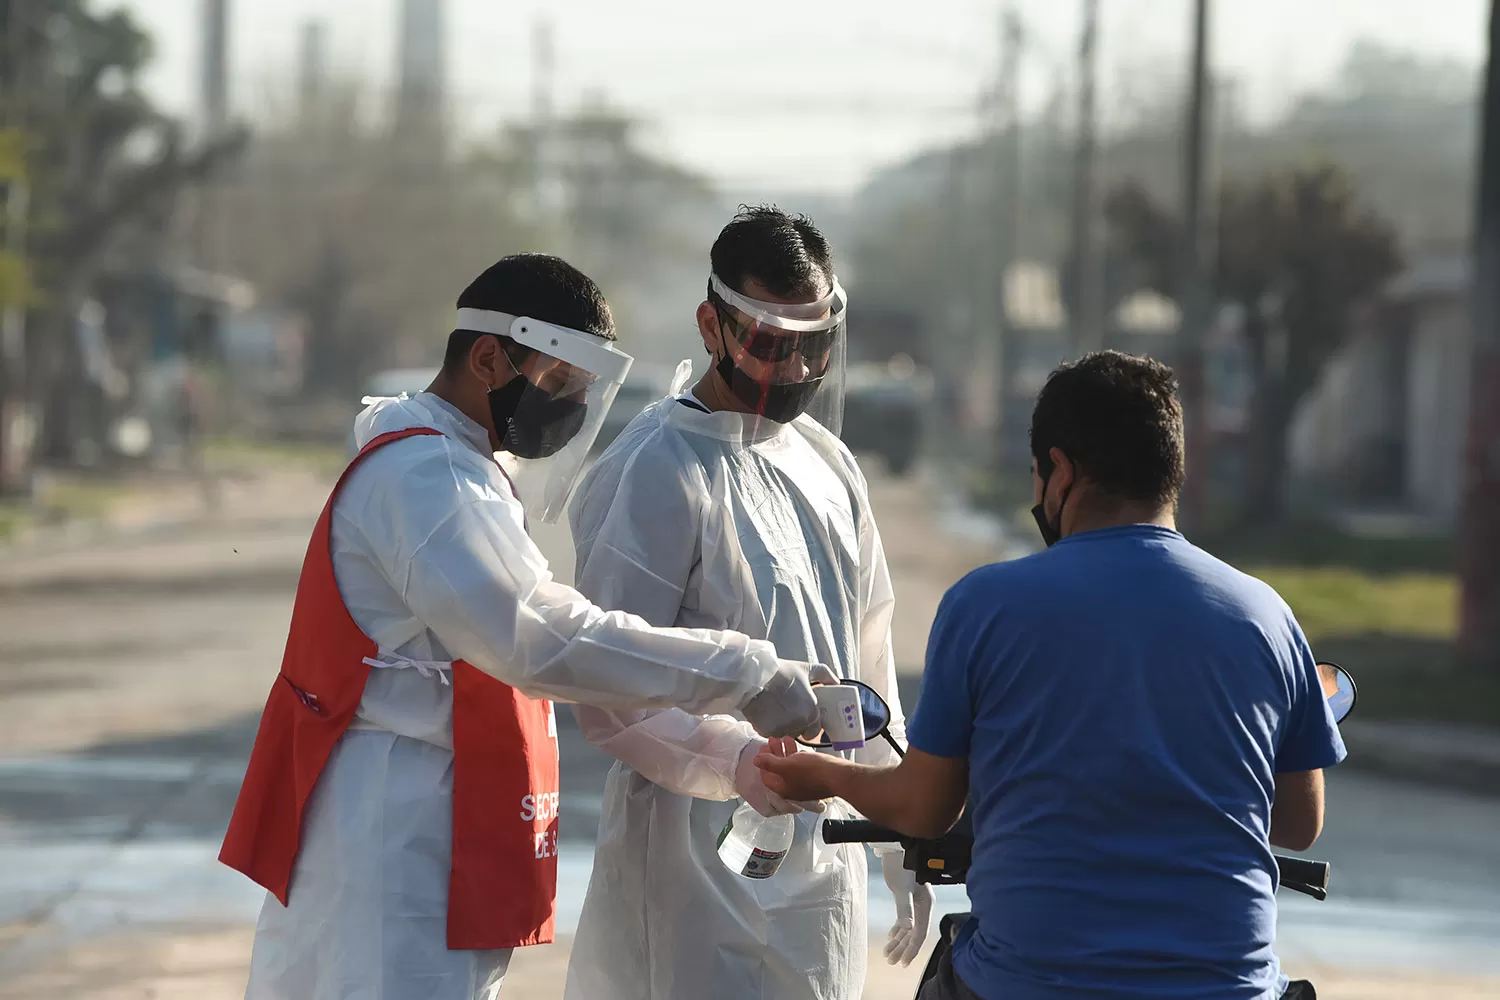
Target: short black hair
(1118,418)
(537,285)
(785,253)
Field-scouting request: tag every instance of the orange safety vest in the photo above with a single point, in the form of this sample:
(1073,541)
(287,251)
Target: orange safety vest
(502,889)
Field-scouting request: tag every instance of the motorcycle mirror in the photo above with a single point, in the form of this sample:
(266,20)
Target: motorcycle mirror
(877,716)
(1338,688)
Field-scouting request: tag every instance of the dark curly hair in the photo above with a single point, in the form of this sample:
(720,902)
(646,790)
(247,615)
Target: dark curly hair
(1118,418)
(785,253)
(538,285)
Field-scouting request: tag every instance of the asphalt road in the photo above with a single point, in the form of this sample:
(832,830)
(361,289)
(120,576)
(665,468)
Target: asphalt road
(132,672)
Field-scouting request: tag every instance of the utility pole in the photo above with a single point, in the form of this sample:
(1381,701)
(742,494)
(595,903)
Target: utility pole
(542,75)
(1087,296)
(311,69)
(1197,298)
(1479,559)
(215,78)
(1007,177)
(214,95)
(422,68)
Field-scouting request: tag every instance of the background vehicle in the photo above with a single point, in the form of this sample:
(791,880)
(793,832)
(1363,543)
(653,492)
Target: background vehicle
(885,410)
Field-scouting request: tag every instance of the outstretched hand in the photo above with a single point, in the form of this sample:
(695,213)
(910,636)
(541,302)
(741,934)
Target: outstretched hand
(800,777)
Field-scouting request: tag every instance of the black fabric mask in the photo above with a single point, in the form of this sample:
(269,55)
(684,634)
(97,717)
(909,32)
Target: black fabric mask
(533,424)
(782,402)
(1051,534)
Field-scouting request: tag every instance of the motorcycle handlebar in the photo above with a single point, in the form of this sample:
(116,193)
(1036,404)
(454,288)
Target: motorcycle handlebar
(1303,875)
(857,831)
(1300,874)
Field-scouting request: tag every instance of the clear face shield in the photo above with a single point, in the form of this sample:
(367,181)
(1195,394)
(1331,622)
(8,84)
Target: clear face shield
(783,360)
(549,414)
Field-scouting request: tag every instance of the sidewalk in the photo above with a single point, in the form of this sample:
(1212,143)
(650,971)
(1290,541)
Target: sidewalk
(166,536)
(1441,754)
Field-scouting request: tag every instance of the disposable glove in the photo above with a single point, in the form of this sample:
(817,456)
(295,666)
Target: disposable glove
(786,706)
(913,910)
(749,785)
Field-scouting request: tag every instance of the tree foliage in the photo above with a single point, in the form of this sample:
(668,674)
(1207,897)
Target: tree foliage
(103,163)
(1298,250)
(370,231)
(635,222)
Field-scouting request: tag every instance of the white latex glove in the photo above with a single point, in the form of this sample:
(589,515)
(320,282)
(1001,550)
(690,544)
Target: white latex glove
(749,784)
(913,910)
(786,706)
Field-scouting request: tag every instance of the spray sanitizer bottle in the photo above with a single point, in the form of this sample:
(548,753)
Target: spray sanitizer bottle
(753,845)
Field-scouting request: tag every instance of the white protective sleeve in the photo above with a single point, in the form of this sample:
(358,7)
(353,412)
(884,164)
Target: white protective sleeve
(451,538)
(635,529)
(635,525)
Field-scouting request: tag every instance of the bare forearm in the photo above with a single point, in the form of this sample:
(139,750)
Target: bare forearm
(920,797)
(884,795)
(1297,810)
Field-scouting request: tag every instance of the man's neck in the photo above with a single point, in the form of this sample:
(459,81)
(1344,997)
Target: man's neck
(1089,518)
(711,391)
(476,409)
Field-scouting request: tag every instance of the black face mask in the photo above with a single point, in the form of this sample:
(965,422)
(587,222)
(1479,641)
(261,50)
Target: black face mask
(1051,534)
(533,424)
(782,402)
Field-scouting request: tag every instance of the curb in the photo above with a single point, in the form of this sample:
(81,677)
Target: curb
(1461,758)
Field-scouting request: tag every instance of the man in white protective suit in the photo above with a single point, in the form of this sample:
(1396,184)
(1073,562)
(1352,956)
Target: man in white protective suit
(735,505)
(400,805)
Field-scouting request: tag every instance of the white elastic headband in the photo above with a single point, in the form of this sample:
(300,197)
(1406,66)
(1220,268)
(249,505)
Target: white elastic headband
(802,317)
(583,350)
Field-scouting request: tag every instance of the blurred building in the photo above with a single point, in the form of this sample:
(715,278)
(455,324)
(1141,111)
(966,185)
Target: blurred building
(1385,427)
(1142,322)
(169,353)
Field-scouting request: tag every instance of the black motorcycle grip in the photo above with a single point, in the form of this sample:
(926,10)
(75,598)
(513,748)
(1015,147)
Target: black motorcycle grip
(857,831)
(1310,873)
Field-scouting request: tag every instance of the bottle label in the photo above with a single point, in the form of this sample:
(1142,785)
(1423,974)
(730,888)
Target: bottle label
(762,864)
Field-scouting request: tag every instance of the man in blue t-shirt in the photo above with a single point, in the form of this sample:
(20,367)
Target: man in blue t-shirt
(1134,722)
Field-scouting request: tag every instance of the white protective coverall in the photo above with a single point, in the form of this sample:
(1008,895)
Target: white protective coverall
(434,563)
(726,521)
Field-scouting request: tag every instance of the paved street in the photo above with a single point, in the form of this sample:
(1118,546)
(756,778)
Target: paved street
(132,672)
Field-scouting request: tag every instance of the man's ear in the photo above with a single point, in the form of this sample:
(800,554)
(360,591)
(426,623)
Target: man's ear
(489,362)
(485,362)
(708,326)
(1064,473)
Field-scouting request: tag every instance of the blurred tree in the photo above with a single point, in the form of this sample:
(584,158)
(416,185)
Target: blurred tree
(1298,250)
(15,273)
(635,222)
(102,161)
(369,232)
(590,179)
(1402,125)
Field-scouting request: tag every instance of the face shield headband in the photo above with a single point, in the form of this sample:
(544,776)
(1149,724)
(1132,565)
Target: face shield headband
(549,414)
(781,338)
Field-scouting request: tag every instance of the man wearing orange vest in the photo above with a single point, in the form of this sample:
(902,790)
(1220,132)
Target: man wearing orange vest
(400,805)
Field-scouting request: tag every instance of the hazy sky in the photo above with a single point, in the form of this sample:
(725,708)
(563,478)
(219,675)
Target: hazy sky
(800,94)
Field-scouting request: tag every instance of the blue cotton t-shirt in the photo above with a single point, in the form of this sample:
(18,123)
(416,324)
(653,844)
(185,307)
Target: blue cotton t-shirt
(1124,700)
